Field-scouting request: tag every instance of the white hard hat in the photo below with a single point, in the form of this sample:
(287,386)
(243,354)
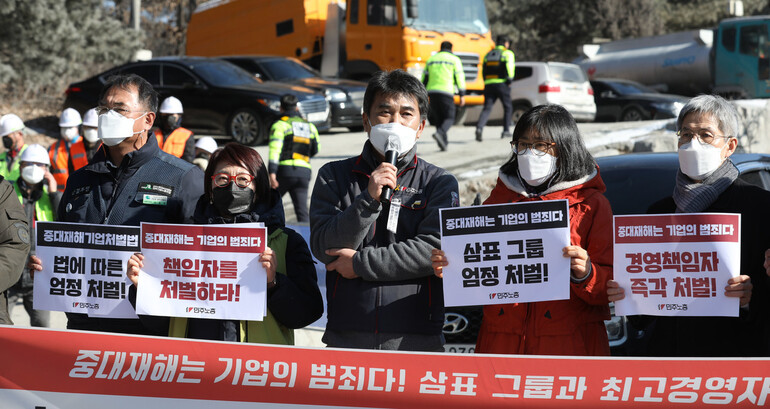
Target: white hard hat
(10,123)
(37,154)
(207,143)
(91,118)
(171,105)
(69,118)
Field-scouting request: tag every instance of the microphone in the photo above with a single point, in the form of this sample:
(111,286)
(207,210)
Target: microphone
(391,156)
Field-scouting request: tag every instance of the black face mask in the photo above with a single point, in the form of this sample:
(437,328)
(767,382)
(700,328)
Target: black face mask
(7,142)
(231,200)
(171,122)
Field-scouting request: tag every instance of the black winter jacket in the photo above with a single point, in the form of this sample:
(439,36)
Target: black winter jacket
(746,335)
(131,193)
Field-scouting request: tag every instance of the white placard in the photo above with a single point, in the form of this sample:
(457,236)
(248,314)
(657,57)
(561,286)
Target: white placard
(677,264)
(84,268)
(203,271)
(502,254)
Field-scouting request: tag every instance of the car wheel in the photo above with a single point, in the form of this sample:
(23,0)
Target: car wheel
(632,114)
(518,111)
(247,128)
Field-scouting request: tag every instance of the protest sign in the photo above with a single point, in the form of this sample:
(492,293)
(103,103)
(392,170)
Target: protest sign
(203,271)
(501,254)
(76,369)
(84,268)
(677,264)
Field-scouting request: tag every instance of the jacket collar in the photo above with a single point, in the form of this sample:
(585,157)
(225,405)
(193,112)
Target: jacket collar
(574,190)
(132,160)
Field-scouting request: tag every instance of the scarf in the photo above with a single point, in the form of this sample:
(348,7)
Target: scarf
(693,197)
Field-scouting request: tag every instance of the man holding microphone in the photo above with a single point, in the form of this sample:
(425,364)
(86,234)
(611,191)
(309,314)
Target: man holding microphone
(380,287)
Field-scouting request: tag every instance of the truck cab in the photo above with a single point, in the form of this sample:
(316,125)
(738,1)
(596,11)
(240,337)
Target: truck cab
(741,58)
(388,34)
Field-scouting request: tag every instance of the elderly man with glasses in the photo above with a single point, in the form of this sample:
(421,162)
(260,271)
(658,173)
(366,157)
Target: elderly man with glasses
(129,181)
(708,182)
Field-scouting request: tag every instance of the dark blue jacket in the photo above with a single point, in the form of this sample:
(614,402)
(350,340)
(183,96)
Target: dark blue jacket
(148,186)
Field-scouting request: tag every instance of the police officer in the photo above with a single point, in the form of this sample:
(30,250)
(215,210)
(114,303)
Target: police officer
(90,133)
(12,132)
(498,70)
(172,138)
(444,71)
(68,154)
(293,141)
(14,244)
(36,190)
(130,180)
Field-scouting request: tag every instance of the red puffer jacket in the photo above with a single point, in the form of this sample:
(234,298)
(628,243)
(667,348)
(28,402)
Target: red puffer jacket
(563,327)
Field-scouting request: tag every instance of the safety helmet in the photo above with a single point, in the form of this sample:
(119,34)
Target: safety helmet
(171,105)
(10,123)
(91,118)
(37,154)
(69,118)
(207,143)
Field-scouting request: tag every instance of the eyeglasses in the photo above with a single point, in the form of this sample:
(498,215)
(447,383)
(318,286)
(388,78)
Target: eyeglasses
(101,110)
(704,138)
(538,148)
(241,180)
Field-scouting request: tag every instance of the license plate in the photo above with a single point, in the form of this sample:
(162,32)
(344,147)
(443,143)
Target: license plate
(460,348)
(316,116)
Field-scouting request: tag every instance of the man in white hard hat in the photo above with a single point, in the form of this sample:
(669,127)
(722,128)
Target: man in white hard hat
(12,132)
(90,132)
(172,138)
(203,150)
(68,154)
(36,190)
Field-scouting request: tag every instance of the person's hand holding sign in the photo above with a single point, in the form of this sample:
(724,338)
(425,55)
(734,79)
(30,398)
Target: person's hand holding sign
(268,262)
(579,263)
(739,286)
(438,259)
(135,263)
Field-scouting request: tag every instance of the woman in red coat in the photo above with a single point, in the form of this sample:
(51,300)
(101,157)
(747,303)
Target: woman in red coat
(550,162)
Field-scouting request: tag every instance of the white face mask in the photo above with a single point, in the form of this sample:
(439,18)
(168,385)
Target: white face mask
(406,137)
(33,174)
(698,161)
(69,134)
(114,128)
(534,169)
(91,135)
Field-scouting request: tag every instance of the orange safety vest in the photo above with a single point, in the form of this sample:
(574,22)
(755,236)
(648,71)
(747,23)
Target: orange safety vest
(61,153)
(175,142)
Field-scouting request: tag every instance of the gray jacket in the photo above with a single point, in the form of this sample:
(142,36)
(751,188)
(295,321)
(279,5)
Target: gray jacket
(14,243)
(397,296)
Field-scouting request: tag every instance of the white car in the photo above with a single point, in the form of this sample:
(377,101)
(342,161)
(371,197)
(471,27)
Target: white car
(537,83)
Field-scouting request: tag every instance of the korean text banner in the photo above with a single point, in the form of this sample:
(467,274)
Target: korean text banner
(499,254)
(677,264)
(84,268)
(203,271)
(75,370)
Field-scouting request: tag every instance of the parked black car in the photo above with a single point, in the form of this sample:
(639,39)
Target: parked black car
(623,100)
(218,97)
(634,182)
(345,96)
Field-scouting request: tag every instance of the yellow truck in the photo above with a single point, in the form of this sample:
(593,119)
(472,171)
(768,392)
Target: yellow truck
(349,39)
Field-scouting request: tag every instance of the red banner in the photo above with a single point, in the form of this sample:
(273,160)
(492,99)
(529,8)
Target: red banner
(51,364)
(674,228)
